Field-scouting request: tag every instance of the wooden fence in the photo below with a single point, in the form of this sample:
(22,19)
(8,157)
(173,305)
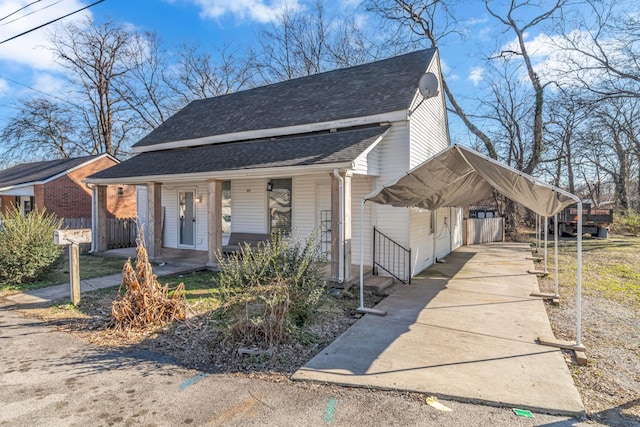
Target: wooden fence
(121,232)
(483,230)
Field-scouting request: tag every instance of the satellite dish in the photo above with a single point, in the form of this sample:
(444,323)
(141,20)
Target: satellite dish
(428,85)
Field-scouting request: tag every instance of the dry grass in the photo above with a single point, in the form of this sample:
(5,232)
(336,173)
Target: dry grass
(610,383)
(145,304)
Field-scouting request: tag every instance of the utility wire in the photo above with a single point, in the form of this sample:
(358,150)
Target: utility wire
(50,22)
(31,13)
(22,8)
(39,91)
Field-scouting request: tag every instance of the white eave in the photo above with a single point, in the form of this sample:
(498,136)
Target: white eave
(392,116)
(271,172)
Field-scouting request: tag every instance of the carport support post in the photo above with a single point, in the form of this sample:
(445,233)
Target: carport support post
(101,244)
(546,228)
(154,245)
(579,279)
(214,221)
(555,251)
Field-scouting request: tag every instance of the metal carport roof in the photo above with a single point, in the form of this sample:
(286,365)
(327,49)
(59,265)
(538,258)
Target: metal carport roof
(459,176)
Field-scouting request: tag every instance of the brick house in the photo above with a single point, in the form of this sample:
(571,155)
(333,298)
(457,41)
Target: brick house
(58,185)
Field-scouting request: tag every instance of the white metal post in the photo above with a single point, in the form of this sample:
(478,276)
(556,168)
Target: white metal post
(362,254)
(546,228)
(579,279)
(555,251)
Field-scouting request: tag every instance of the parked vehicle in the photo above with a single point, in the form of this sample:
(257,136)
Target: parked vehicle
(595,221)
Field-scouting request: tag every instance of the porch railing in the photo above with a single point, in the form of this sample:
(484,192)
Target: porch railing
(391,257)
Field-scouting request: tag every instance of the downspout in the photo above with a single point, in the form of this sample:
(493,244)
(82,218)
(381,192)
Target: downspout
(434,220)
(341,226)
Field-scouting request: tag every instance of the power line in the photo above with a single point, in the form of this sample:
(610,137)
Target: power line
(31,13)
(50,22)
(39,91)
(22,8)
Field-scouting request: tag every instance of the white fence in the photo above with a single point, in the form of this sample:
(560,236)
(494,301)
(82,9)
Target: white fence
(483,230)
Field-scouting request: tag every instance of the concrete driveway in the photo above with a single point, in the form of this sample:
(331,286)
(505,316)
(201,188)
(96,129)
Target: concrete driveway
(465,330)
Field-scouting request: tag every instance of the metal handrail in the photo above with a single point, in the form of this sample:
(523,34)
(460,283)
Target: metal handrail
(394,258)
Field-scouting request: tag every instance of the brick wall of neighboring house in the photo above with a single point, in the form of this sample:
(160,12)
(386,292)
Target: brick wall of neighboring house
(69,197)
(6,202)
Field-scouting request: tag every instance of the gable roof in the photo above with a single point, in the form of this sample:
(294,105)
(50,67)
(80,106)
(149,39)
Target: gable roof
(378,87)
(42,172)
(320,149)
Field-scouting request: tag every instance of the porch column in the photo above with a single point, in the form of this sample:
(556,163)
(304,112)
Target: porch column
(101,238)
(341,208)
(154,221)
(335,228)
(214,220)
(347,225)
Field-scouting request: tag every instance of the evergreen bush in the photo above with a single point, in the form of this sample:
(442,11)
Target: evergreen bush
(26,244)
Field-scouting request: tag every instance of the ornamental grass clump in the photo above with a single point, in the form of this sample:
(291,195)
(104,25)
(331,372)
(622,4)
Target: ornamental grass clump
(26,244)
(271,290)
(144,303)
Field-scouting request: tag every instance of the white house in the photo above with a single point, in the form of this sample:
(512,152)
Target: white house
(297,156)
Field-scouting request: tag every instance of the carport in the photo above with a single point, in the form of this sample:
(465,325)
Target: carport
(459,176)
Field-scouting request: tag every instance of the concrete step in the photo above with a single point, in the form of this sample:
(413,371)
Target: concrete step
(377,284)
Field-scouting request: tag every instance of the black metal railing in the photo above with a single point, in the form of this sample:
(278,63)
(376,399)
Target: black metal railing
(391,257)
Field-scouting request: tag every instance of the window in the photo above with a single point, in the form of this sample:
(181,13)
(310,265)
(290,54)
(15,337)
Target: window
(226,207)
(280,206)
(432,222)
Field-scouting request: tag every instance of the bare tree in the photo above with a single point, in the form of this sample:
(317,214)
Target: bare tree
(302,43)
(40,129)
(201,73)
(98,58)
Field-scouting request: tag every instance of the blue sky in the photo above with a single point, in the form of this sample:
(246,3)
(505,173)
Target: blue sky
(26,65)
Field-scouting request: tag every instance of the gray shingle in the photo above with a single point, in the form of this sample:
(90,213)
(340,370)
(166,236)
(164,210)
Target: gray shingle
(25,173)
(374,88)
(314,149)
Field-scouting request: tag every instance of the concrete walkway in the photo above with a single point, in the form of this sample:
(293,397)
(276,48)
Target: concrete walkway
(463,330)
(63,292)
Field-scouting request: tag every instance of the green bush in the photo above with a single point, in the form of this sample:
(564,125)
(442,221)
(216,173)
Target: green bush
(26,245)
(272,290)
(628,224)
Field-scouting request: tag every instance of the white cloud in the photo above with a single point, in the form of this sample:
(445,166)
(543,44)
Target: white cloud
(50,84)
(31,49)
(448,74)
(261,11)
(476,75)
(4,87)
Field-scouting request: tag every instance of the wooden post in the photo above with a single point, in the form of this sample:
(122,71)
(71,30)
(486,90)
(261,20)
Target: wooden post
(154,231)
(214,220)
(74,272)
(73,239)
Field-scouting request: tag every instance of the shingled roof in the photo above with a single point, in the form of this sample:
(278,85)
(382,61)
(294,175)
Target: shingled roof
(375,88)
(37,172)
(306,150)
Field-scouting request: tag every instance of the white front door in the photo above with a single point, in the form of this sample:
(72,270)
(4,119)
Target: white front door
(186,218)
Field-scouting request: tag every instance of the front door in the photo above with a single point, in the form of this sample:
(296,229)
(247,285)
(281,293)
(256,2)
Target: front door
(187,218)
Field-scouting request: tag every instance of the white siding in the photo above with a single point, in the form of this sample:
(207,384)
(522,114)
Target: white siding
(443,233)
(428,124)
(308,192)
(393,153)
(360,187)
(368,163)
(421,240)
(201,239)
(249,206)
(170,207)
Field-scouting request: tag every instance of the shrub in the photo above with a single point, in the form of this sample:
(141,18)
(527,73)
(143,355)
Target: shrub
(26,245)
(629,223)
(271,290)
